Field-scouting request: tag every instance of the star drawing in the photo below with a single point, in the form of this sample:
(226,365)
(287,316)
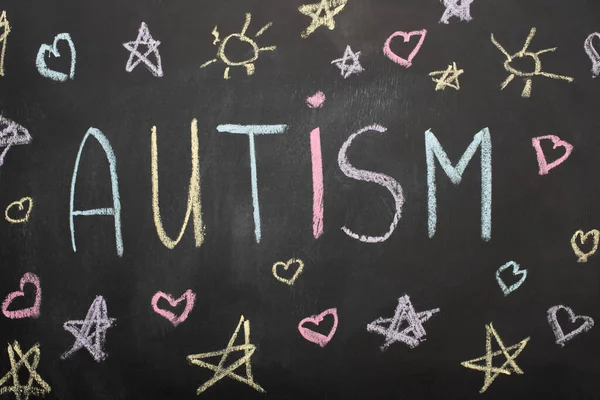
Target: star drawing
(138,54)
(322,14)
(35,384)
(449,77)
(461,11)
(349,63)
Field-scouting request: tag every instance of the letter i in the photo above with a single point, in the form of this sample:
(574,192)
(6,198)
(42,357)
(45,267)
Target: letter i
(316,101)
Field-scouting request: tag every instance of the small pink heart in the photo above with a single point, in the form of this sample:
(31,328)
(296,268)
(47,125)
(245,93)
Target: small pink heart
(406,35)
(316,337)
(557,142)
(316,100)
(188,296)
(31,312)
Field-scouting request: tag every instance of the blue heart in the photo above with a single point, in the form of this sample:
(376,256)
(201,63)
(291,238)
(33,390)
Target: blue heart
(40,60)
(515,271)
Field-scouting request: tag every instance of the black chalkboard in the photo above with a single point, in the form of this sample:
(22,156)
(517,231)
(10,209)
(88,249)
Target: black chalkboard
(456,143)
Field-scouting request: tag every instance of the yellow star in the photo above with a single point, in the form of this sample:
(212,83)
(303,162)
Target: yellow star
(492,372)
(330,8)
(22,392)
(219,370)
(449,77)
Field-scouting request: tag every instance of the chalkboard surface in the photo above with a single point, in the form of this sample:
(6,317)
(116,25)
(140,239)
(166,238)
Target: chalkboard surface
(299,199)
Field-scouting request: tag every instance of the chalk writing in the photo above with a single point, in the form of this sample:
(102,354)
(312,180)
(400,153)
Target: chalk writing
(35,386)
(188,296)
(31,312)
(316,100)
(407,318)
(90,333)
(220,370)
(251,131)
(485,364)
(286,266)
(349,63)
(11,134)
(193,204)
(460,9)
(516,271)
(242,37)
(541,158)
(368,176)
(587,323)
(151,47)
(592,53)
(40,61)
(4,31)
(115,210)
(449,77)
(433,148)
(406,36)
(523,53)
(316,337)
(583,257)
(321,14)
(20,217)
(317,177)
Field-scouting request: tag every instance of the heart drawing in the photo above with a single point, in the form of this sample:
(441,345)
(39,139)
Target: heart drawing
(286,266)
(557,142)
(316,100)
(406,36)
(316,337)
(31,312)
(583,257)
(586,324)
(40,60)
(16,213)
(188,296)
(516,272)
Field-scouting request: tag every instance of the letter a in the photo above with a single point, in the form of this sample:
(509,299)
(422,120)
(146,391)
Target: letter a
(115,211)
(193,203)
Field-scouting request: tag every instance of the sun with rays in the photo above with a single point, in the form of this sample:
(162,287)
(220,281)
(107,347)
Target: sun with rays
(537,71)
(242,37)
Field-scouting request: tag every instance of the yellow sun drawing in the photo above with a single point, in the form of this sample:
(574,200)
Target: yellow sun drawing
(248,63)
(537,64)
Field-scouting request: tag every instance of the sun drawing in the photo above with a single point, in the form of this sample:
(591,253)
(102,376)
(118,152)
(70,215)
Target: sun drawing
(537,64)
(248,63)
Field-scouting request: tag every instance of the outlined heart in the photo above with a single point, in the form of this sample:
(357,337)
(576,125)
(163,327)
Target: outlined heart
(561,338)
(286,265)
(19,204)
(316,337)
(541,158)
(31,312)
(40,60)
(406,36)
(188,296)
(516,272)
(583,257)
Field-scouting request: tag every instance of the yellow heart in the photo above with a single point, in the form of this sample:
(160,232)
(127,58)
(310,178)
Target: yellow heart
(583,257)
(285,266)
(19,203)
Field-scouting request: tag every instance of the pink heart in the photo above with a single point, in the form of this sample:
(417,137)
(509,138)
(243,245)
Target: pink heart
(188,296)
(316,100)
(316,337)
(31,312)
(397,59)
(541,158)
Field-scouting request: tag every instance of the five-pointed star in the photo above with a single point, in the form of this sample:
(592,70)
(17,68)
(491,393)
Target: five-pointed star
(449,77)
(144,39)
(220,370)
(329,8)
(22,392)
(492,372)
(348,69)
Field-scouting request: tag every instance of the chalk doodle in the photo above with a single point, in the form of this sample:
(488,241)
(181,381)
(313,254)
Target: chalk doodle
(90,333)
(220,370)
(349,63)
(193,203)
(35,386)
(115,210)
(4,31)
(321,14)
(460,9)
(581,256)
(368,176)
(40,60)
(316,337)
(242,37)
(449,77)
(151,47)
(20,217)
(188,296)
(317,177)
(286,267)
(516,271)
(31,312)
(523,53)
(587,323)
(406,36)
(316,100)
(11,134)
(592,53)
(485,364)
(434,149)
(407,318)
(541,158)
(251,131)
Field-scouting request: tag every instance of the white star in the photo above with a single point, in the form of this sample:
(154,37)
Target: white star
(349,69)
(145,39)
